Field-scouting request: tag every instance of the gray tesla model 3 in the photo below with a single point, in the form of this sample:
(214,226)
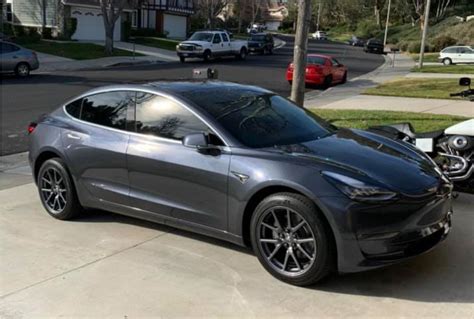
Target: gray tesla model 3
(245,165)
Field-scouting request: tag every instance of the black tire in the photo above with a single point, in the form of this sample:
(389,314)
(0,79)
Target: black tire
(344,78)
(270,51)
(182,59)
(207,55)
(302,209)
(327,81)
(265,51)
(447,61)
(290,82)
(22,70)
(242,55)
(56,172)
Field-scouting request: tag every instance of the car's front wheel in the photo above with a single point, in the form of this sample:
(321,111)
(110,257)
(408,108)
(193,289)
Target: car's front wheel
(291,240)
(22,70)
(447,61)
(56,190)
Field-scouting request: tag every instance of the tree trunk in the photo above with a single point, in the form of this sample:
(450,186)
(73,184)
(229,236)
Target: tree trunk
(109,39)
(377,15)
(300,52)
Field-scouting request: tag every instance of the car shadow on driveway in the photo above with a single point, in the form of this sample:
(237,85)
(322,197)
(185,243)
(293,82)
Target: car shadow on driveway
(442,275)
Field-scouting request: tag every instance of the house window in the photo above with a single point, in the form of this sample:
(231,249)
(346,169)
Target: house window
(9,14)
(134,19)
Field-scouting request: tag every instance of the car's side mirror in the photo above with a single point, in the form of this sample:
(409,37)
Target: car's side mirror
(465,82)
(196,140)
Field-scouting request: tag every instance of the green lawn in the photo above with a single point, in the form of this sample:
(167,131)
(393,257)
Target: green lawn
(422,88)
(428,57)
(458,69)
(160,43)
(76,51)
(362,119)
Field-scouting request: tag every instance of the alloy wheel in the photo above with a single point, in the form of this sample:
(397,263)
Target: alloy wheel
(53,190)
(23,70)
(286,241)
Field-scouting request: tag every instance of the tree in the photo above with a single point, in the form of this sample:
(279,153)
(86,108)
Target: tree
(111,12)
(210,9)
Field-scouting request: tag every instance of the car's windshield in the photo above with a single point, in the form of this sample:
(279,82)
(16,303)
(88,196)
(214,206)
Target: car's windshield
(257,38)
(259,119)
(202,36)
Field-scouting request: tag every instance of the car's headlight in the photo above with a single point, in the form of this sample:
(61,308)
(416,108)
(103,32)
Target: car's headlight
(358,190)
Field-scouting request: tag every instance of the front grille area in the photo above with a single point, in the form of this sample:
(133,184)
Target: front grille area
(184,47)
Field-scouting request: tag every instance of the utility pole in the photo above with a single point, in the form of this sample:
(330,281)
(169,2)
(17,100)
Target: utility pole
(319,15)
(386,23)
(301,48)
(423,37)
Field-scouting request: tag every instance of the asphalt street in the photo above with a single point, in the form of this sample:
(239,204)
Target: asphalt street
(24,100)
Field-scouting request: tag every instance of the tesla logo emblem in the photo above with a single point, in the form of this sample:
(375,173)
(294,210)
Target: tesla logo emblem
(242,177)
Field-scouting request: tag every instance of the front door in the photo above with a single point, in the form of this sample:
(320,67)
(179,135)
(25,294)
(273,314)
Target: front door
(218,46)
(168,178)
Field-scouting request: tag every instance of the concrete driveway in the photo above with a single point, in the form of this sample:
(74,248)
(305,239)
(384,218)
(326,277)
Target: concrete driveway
(105,265)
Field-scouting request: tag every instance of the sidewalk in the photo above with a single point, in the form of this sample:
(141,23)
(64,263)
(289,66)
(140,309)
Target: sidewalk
(161,54)
(349,95)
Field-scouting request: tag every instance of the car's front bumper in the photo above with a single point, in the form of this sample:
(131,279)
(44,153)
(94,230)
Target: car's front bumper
(370,236)
(190,54)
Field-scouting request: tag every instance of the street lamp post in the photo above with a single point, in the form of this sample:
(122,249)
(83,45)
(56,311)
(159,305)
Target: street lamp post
(386,23)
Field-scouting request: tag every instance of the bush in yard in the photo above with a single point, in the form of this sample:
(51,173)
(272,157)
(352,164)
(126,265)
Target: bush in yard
(46,33)
(18,31)
(403,45)
(442,42)
(126,29)
(147,33)
(71,26)
(415,46)
(367,29)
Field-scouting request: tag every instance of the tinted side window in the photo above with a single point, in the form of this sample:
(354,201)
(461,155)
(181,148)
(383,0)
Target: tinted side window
(74,108)
(224,37)
(162,117)
(7,48)
(450,50)
(108,109)
(217,38)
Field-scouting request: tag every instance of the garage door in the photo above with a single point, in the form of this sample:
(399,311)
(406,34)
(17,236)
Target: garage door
(175,26)
(90,25)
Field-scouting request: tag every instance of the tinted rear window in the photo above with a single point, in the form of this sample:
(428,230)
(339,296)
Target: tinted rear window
(316,60)
(74,108)
(108,109)
(259,119)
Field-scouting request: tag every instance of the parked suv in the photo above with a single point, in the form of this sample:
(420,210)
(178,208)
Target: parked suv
(374,46)
(319,35)
(262,43)
(16,59)
(456,54)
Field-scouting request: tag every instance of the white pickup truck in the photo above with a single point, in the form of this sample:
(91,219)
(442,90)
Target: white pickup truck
(210,44)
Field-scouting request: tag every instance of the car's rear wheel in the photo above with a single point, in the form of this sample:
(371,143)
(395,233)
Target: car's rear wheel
(327,81)
(447,61)
(22,70)
(242,54)
(291,240)
(182,59)
(56,190)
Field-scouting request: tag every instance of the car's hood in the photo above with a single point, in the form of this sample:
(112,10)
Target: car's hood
(385,161)
(201,43)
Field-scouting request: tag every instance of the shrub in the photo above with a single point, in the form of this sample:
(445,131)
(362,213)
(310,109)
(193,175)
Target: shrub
(46,33)
(367,29)
(126,29)
(403,45)
(414,47)
(442,42)
(18,31)
(70,28)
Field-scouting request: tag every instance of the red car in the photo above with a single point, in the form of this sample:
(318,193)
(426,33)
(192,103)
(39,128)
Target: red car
(321,70)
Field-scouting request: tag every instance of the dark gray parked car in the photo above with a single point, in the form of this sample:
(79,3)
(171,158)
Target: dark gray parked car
(245,165)
(16,59)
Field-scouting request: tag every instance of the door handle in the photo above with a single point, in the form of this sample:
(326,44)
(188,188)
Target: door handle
(73,137)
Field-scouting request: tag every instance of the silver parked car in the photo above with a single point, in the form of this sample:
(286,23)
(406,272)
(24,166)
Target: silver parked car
(16,59)
(456,54)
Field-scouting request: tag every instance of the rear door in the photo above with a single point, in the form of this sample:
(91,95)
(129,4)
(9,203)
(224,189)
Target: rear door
(337,70)
(8,57)
(465,55)
(95,144)
(226,42)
